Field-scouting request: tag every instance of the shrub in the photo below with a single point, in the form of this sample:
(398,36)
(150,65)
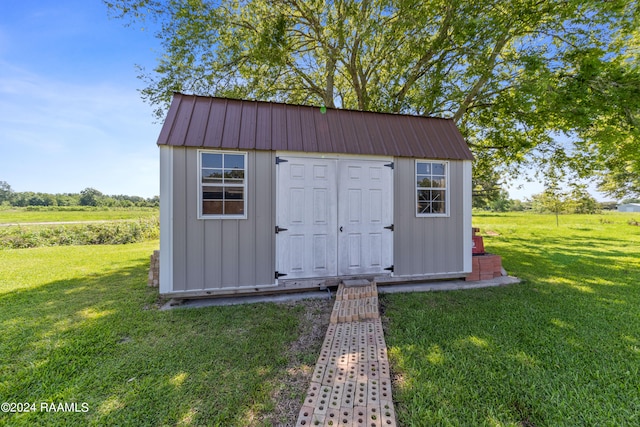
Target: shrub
(108,233)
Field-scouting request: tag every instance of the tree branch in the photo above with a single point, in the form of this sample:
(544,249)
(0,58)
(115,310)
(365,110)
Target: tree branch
(419,68)
(484,77)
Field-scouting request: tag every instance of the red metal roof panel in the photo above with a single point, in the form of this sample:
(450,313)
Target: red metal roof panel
(198,124)
(165,132)
(180,125)
(278,127)
(232,123)
(263,139)
(294,131)
(215,126)
(249,119)
(336,128)
(309,131)
(323,132)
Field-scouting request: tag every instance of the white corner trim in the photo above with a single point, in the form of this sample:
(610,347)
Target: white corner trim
(166,219)
(466,215)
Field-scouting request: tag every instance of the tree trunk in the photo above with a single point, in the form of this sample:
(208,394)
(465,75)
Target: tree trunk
(329,89)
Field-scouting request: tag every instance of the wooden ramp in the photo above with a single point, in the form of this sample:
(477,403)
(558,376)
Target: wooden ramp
(351,384)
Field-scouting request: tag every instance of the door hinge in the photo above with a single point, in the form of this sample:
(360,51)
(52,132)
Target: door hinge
(389,227)
(389,269)
(279,229)
(279,275)
(389,165)
(280,160)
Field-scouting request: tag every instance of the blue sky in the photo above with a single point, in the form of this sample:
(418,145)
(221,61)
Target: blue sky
(71,116)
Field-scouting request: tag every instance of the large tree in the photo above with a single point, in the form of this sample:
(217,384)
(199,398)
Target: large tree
(525,80)
(5,191)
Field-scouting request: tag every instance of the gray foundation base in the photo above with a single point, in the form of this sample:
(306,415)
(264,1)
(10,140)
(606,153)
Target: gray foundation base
(447,285)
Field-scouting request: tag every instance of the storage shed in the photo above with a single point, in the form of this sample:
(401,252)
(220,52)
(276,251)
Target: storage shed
(629,207)
(263,197)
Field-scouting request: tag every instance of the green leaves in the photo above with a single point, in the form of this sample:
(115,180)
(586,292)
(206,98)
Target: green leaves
(513,74)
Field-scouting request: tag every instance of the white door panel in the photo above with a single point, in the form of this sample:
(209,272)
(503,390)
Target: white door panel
(334,213)
(364,209)
(306,206)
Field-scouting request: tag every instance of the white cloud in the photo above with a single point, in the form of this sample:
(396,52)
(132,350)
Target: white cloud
(58,136)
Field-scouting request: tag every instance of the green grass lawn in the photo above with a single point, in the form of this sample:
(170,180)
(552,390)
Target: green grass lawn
(560,349)
(77,213)
(79,326)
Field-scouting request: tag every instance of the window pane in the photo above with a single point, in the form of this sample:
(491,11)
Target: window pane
(234,175)
(212,207)
(424,168)
(212,176)
(212,193)
(431,201)
(234,161)
(437,207)
(234,208)
(437,195)
(211,160)
(233,193)
(437,168)
(423,181)
(438,182)
(424,195)
(424,207)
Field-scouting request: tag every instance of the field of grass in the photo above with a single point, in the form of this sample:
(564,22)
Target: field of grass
(79,326)
(74,213)
(560,349)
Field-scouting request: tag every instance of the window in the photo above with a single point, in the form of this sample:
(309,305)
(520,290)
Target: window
(431,188)
(223,185)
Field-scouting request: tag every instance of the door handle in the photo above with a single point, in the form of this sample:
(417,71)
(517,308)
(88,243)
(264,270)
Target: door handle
(341,229)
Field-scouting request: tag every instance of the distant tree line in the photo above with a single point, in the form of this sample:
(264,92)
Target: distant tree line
(552,200)
(87,197)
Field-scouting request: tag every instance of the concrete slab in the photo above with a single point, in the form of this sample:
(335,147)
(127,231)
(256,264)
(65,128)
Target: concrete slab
(448,285)
(441,285)
(218,302)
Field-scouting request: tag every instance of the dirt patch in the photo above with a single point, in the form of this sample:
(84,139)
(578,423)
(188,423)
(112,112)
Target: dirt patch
(525,413)
(291,385)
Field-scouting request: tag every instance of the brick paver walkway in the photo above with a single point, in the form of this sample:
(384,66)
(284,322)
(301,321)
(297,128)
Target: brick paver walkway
(351,385)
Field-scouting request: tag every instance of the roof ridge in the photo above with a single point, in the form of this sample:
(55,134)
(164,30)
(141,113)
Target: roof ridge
(312,106)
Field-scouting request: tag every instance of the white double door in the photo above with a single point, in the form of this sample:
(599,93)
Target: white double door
(333,217)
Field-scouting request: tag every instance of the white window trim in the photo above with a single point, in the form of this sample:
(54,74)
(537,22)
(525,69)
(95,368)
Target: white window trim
(447,188)
(244,185)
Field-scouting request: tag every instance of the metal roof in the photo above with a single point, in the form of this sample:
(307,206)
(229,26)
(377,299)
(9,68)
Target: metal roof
(208,122)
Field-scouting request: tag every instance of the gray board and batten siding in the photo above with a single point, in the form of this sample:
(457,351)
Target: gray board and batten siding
(200,257)
(431,246)
(217,254)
